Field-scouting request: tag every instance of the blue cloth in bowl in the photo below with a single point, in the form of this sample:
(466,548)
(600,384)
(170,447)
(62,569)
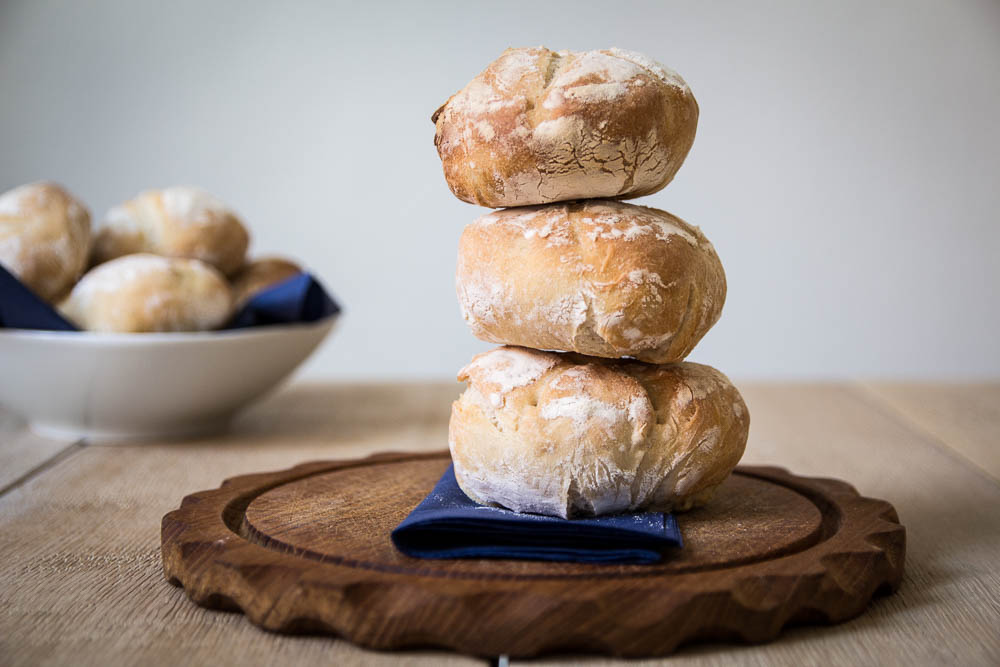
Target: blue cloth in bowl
(301,298)
(20,308)
(447,524)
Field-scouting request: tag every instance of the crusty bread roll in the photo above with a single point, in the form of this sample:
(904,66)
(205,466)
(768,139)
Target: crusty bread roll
(567,435)
(44,237)
(539,126)
(259,274)
(597,277)
(144,293)
(179,221)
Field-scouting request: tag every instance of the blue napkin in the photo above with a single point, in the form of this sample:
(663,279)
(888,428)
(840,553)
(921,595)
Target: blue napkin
(447,524)
(301,298)
(21,309)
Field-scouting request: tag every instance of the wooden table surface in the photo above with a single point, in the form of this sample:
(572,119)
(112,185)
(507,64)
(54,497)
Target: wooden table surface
(81,582)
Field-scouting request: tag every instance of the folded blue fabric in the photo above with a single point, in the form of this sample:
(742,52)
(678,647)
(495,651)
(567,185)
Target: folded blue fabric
(301,298)
(447,524)
(21,309)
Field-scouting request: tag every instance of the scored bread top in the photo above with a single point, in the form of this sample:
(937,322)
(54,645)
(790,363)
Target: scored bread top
(539,126)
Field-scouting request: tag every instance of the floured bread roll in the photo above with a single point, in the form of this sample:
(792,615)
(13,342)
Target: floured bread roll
(597,277)
(143,293)
(540,126)
(179,221)
(44,237)
(567,435)
(259,274)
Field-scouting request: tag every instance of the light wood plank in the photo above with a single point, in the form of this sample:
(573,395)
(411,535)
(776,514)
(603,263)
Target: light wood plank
(966,417)
(82,581)
(21,451)
(948,608)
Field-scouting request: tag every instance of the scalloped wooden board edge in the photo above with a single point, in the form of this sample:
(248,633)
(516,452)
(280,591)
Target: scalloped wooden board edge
(206,550)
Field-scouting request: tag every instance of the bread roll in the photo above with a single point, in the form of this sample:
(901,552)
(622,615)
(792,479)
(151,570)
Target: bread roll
(143,293)
(44,237)
(179,221)
(567,435)
(597,277)
(260,274)
(539,126)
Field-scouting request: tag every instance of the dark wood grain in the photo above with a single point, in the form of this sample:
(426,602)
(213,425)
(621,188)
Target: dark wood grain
(307,549)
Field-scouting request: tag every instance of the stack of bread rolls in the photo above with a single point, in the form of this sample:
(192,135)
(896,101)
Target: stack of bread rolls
(173,259)
(588,408)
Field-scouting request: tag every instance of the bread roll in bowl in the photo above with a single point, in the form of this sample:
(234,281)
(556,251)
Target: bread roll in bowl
(44,237)
(259,274)
(539,126)
(179,221)
(145,293)
(567,435)
(600,277)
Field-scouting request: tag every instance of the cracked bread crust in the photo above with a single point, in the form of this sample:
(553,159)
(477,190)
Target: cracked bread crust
(601,278)
(568,435)
(539,126)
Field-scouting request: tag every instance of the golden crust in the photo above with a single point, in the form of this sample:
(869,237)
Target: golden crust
(178,221)
(145,293)
(601,278)
(566,435)
(259,274)
(44,237)
(539,126)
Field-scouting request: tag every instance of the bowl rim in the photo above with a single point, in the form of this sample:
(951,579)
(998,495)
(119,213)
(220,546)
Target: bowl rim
(99,338)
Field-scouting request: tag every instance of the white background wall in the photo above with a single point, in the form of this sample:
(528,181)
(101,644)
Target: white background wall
(846,166)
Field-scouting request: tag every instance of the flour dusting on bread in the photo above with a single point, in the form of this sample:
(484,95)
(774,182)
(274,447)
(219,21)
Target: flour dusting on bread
(582,436)
(15,202)
(192,204)
(506,369)
(148,293)
(538,126)
(597,277)
(178,221)
(44,237)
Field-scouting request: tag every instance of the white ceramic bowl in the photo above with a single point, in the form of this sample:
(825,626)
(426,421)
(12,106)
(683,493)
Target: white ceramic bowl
(127,387)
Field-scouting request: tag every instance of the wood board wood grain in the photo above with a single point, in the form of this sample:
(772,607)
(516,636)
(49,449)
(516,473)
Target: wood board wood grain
(308,547)
(90,590)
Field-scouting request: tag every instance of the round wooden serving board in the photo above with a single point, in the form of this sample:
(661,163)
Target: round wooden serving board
(308,550)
